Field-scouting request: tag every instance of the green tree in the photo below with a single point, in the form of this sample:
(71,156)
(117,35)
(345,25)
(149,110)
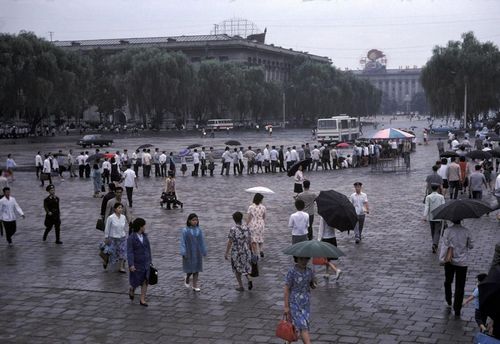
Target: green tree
(467,64)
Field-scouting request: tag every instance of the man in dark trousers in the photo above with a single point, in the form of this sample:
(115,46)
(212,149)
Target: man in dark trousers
(106,198)
(52,214)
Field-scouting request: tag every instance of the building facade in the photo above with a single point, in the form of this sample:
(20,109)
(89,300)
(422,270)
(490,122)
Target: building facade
(276,61)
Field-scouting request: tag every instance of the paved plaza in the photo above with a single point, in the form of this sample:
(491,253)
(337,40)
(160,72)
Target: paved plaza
(391,290)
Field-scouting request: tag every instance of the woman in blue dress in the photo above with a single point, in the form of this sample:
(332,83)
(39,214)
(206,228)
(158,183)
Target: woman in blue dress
(193,250)
(139,259)
(298,283)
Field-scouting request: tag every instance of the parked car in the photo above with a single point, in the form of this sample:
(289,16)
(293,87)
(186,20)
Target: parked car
(94,140)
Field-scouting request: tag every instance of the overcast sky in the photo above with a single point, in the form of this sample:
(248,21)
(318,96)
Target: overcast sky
(344,30)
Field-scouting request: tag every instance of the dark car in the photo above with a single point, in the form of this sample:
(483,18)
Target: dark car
(94,140)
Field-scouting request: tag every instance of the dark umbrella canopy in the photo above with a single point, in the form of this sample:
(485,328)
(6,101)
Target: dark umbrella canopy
(58,154)
(147,145)
(232,143)
(478,154)
(336,209)
(314,248)
(295,167)
(95,157)
(495,152)
(184,152)
(449,154)
(194,145)
(489,293)
(459,209)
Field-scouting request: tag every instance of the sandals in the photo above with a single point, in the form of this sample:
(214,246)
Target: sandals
(131,293)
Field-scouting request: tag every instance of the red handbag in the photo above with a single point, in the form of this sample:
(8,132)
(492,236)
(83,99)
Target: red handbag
(285,330)
(320,261)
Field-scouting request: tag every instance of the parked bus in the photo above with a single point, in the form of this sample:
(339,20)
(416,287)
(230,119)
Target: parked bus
(337,129)
(223,124)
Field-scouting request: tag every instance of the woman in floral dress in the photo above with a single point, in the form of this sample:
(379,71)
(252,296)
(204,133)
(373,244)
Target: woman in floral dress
(240,244)
(256,221)
(298,283)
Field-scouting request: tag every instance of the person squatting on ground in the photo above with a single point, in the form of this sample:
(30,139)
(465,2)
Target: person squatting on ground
(239,247)
(52,214)
(192,249)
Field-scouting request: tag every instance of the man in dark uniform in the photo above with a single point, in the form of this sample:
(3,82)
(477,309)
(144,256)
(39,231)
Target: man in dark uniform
(52,214)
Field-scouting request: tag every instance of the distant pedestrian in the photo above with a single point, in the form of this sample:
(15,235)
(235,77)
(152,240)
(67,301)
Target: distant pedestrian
(360,202)
(4,182)
(38,164)
(96,180)
(139,259)
(192,249)
(9,209)
(10,165)
(129,181)
(455,255)
(52,214)
(297,294)
(183,165)
(239,248)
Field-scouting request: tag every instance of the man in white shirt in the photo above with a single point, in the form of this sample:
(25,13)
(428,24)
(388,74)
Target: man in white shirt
(38,164)
(46,170)
(203,160)
(315,154)
(81,164)
(240,161)
(8,214)
(146,163)
(295,155)
(288,158)
(129,181)
(226,161)
(267,159)
(298,223)
(360,202)
(196,162)
(162,159)
(273,155)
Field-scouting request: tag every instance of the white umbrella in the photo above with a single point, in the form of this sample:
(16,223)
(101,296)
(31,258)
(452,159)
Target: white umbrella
(260,189)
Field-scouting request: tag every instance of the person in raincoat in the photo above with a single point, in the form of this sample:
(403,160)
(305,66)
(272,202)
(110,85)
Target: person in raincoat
(192,249)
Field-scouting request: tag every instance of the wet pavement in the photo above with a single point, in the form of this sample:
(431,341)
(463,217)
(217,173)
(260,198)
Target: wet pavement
(391,290)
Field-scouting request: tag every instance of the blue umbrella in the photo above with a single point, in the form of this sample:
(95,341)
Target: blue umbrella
(184,152)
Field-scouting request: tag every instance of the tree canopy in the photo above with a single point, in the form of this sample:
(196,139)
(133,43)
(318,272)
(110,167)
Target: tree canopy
(39,80)
(467,64)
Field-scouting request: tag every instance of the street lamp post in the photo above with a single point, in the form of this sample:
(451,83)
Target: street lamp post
(465,104)
(284,109)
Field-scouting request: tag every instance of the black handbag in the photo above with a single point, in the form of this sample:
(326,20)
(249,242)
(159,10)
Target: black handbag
(153,275)
(255,270)
(100,225)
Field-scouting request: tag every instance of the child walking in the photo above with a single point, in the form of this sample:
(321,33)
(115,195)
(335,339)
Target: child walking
(480,318)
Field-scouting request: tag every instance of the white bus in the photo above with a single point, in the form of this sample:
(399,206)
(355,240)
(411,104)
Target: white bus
(223,124)
(336,129)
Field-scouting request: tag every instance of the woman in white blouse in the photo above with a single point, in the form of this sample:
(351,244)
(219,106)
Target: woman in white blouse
(115,236)
(299,179)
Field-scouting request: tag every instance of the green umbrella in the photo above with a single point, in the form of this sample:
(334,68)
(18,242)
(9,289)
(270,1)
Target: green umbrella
(314,248)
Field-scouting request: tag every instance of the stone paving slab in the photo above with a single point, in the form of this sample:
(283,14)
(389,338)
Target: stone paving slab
(391,290)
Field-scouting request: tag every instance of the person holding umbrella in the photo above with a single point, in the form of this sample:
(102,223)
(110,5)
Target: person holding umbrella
(360,202)
(256,221)
(455,253)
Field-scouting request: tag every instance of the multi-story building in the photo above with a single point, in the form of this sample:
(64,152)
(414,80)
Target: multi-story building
(276,61)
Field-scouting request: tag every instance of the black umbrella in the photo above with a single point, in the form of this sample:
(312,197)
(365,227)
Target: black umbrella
(194,145)
(295,167)
(495,152)
(479,154)
(147,145)
(449,154)
(492,136)
(232,143)
(336,209)
(58,154)
(489,293)
(95,157)
(459,209)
